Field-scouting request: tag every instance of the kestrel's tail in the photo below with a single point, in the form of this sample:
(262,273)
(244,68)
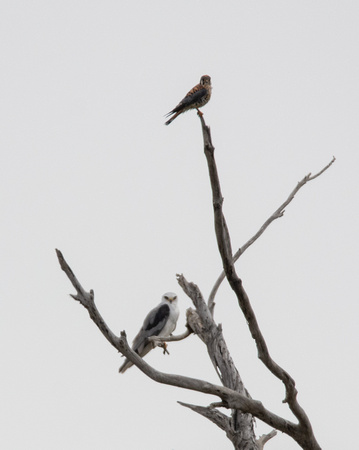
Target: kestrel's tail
(173,117)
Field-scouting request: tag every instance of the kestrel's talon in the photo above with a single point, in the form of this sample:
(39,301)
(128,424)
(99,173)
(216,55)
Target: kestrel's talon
(195,98)
(199,113)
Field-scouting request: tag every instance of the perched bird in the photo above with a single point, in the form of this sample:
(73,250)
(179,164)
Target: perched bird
(196,98)
(160,321)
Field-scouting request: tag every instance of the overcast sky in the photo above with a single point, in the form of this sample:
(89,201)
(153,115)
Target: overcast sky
(88,167)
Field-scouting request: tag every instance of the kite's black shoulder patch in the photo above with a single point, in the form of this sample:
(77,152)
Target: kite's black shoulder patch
(161,316)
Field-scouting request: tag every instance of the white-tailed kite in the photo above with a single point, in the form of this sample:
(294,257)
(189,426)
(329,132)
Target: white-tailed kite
(160,321)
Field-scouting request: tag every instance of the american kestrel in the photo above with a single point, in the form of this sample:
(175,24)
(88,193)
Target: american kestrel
(160,321)
(195,98)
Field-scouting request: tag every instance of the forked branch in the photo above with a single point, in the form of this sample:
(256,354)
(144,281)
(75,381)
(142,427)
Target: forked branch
(265,438)
(276,215)
(307,439)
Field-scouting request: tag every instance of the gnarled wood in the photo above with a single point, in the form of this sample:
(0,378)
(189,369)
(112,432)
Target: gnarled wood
(306,438)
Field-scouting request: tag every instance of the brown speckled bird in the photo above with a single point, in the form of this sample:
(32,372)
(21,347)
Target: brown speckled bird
(195,98)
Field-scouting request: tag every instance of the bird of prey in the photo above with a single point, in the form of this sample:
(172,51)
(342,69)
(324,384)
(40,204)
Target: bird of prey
(160,321)
(195,98)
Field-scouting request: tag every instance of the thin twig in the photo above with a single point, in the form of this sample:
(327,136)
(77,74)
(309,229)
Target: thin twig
(160,339)
(87,299)
(265,438)
(276,215)
(221,420)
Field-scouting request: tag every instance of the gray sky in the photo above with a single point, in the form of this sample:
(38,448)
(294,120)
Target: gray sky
(87,166)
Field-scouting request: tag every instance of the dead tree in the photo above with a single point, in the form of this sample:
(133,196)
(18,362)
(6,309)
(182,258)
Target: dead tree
(231,393)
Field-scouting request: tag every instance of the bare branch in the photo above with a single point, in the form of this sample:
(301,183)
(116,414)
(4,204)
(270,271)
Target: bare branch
(323,170)
(217,417)
(87,299)
(276,215)
(229,398)
(265,438)
(221,420)
(308,440)
(160,339)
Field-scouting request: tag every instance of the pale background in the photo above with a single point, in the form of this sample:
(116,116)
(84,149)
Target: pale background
(87,166)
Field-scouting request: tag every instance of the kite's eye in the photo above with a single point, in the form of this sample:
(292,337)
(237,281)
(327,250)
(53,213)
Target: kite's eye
(166,297)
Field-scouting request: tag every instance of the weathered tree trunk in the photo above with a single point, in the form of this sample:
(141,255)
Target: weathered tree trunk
(238,426)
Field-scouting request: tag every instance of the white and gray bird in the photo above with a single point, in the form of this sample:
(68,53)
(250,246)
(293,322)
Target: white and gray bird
(160,321)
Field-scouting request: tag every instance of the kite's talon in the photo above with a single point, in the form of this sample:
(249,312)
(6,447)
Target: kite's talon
(164,346)
(161,319)
(200,113)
